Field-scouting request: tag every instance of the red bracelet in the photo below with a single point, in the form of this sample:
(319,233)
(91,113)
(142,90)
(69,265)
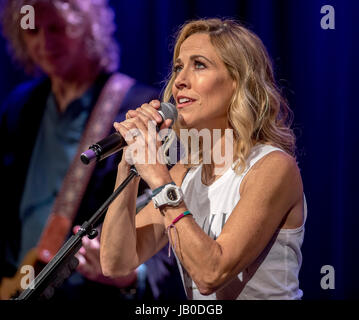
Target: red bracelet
(172,225)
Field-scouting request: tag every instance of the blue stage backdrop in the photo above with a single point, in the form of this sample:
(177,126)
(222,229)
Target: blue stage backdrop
(317,69)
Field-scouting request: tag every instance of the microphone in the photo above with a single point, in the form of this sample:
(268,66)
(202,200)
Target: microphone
(115,142)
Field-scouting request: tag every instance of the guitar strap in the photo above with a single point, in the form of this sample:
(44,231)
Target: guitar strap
(78,176)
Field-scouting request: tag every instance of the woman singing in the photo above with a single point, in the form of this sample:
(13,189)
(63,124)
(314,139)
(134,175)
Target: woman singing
(236,228)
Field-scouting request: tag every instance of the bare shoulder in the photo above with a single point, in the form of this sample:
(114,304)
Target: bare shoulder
(278,160)
(276,169)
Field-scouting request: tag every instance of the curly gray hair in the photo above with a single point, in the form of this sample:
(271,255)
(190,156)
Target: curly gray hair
(97,14)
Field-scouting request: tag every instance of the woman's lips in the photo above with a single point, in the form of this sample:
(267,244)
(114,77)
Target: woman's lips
(185,104)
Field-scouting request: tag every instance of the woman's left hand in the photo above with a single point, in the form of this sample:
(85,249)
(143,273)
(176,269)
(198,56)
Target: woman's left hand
(145,147)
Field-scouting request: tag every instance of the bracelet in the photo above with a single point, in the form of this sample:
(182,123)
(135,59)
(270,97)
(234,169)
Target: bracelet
(179,218)
(158,190)
(172,225)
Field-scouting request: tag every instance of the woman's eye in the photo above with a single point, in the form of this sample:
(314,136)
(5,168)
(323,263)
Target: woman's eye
(199,65)
(177,69)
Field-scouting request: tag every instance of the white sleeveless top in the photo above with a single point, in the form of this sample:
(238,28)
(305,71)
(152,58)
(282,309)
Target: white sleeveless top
(275,277)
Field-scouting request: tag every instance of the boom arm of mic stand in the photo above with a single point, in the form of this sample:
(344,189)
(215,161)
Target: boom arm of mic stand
(62,264)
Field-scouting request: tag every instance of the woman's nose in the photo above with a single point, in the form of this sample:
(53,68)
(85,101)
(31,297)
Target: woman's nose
(182,80)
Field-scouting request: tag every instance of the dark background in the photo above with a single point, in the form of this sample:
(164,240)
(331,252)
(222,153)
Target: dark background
(317,70)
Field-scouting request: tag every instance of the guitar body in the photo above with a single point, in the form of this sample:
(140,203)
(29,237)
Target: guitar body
(11,287)
(50,242)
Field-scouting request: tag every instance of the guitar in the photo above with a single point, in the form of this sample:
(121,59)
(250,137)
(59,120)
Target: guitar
(74,185)
(12,287)
(50,242)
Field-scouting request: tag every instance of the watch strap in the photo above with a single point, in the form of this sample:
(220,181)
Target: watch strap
(159,189)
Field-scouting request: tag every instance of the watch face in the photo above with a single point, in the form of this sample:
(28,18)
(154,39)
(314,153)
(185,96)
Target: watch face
(172,195)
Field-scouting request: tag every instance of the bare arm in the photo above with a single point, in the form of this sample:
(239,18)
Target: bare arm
(127,239)
(271,190)
(89,264)
(118,232)
(269,193)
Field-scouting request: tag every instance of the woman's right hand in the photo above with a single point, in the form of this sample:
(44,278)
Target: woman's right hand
(144,143)
(125,163)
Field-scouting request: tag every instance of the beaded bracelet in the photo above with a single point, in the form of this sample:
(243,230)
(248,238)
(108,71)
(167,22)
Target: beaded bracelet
(172,225)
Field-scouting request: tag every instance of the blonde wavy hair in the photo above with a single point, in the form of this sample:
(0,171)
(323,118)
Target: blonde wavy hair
(95,15)
(258,112)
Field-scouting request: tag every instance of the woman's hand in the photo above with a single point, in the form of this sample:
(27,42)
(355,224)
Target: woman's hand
(144,143)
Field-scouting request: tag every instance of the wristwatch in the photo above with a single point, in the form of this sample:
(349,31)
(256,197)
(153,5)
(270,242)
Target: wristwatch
(169,194)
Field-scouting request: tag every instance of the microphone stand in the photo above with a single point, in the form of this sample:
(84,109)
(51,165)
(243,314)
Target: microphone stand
(64,262)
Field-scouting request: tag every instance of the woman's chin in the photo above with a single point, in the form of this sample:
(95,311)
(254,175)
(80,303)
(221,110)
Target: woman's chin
(182,121)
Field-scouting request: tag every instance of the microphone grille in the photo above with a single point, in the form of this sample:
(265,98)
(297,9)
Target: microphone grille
(169,111)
